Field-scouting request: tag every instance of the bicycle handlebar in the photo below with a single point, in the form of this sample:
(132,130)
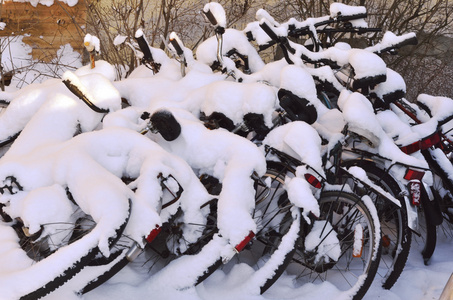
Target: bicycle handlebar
(267,29)
(174,42)
(147,56)
(281,41)
(71,82)
(210,17)
(396,42)
(144,47)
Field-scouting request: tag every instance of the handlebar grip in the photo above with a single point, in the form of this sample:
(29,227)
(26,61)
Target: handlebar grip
(71,82)
(411,41)
(268,30)
(343,18)
(144,47)
(210,17)
(177,47)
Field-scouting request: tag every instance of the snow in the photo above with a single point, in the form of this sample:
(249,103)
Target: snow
(217,11)
(233,39)
(327,249)
(92,43)
(61,138)
(390,39)
(366,64)
(49,3)
(340,9)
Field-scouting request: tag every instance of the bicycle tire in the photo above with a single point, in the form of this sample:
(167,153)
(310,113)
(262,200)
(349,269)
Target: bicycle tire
(155,255)
(445,199)
(274,213)
(428,229)
(396,234)
(40,251)
(113,264)
(275,222)
(438,216)
(353,275)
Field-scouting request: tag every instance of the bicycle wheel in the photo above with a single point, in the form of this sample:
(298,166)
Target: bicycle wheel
(277,222)
(128,252)
(396,234)
(68,245)
(438,214)
(445,199)
(427,228)
(168,245)
(278,228)
(343,247)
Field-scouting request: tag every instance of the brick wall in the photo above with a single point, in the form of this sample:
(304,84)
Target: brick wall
(45,28)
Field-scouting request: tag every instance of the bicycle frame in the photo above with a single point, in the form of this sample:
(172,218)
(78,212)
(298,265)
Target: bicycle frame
(413,186)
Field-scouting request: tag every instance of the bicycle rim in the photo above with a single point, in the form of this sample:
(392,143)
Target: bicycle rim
(275,221)
(354,266)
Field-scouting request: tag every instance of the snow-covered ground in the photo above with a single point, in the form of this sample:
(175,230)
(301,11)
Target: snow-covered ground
(417,282)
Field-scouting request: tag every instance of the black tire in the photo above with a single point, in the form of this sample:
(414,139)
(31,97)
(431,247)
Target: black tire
(347,273)
(396,234)
(428,230)
(437,221)
(157,253)
(112,265)
(41,250)
(167,246)
(170,244)
(445,199)
(275,221)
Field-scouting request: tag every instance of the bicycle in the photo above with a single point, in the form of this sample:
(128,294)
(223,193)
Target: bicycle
(351,81)
(328,249)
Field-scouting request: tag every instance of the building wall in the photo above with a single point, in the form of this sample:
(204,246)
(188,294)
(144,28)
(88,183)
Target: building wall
(45,28)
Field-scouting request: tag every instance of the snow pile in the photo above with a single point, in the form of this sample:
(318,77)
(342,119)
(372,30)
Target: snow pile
(49,2)
(66,151)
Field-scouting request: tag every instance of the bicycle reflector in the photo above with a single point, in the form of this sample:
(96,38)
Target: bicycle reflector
(244,242)
(413,175)
(415,190)
(152,235)
(313,180)
(358,241)
(414,185)
(423,144)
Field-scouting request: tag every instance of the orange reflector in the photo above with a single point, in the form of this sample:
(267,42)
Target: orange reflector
(358,241)
(385,241)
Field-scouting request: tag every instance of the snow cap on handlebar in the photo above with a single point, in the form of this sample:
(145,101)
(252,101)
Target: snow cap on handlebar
(215,14)
(263,14)
(92,43)
(346,12)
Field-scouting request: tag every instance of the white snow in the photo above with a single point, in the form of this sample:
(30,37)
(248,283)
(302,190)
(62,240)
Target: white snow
(49,2)
(218,12)
(340,9)
(232,39)
(64,145)
(92,43)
